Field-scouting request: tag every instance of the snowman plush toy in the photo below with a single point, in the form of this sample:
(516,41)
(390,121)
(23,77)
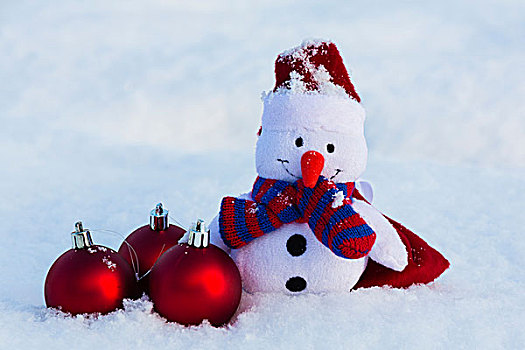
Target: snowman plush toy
(305,227)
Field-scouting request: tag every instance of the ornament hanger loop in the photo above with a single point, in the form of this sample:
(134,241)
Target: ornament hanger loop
(158,209)
(78,226)
(133,254)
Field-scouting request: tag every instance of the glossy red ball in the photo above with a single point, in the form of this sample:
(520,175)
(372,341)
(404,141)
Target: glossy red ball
(95,279)
(149,245)
(188,285)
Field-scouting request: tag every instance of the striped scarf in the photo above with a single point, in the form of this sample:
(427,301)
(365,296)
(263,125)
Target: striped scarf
(326,208)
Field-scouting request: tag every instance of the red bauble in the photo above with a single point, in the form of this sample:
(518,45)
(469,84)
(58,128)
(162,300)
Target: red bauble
(89,278)
(149,242)
(196,281)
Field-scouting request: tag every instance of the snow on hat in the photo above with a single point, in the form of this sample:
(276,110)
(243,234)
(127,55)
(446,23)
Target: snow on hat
(312,90)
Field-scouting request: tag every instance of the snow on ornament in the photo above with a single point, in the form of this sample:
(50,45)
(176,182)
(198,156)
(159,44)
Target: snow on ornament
(195,281)
(147,243)
(88,278)
(304,227)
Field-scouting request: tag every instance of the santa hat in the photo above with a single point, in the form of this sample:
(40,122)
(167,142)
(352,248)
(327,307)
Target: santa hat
(425,263)
(313,90)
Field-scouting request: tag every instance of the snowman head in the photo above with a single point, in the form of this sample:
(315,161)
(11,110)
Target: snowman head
(313,107)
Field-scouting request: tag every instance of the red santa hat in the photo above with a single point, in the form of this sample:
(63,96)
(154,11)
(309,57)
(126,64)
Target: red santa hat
(313,90)
(307,60)
(425,263)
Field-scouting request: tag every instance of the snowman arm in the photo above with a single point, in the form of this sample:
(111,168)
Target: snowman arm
(215,235)
(365,189)
(388,249)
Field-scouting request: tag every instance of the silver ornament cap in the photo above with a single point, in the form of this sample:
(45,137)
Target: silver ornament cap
(81,237)
(199,236)
(158,219)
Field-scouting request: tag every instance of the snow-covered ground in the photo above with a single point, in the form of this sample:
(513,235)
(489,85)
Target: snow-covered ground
(106,109)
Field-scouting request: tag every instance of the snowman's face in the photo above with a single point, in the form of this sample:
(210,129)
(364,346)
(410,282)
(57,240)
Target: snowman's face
(278,153)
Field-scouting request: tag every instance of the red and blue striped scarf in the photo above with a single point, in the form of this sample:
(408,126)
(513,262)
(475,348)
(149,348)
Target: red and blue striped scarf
(327,211)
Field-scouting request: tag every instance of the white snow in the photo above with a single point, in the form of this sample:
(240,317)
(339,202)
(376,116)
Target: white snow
(109,263)
(103,111)
(298,52)
(338,199)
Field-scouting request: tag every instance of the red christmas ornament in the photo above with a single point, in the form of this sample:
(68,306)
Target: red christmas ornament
(149,242)
(196,281)
(88,278)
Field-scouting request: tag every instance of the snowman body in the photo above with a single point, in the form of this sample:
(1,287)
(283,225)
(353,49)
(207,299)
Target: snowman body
(292,260)
(295,121)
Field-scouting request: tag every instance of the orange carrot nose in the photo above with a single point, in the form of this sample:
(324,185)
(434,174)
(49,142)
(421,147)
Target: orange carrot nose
(312,164)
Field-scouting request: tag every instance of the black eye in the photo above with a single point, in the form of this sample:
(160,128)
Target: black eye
(330,148)
(299,142)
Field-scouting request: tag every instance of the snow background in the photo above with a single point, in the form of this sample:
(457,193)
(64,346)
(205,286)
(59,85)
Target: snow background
(108,108)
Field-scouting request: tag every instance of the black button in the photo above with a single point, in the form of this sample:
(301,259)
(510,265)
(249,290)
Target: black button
(296,245)
(296,284)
